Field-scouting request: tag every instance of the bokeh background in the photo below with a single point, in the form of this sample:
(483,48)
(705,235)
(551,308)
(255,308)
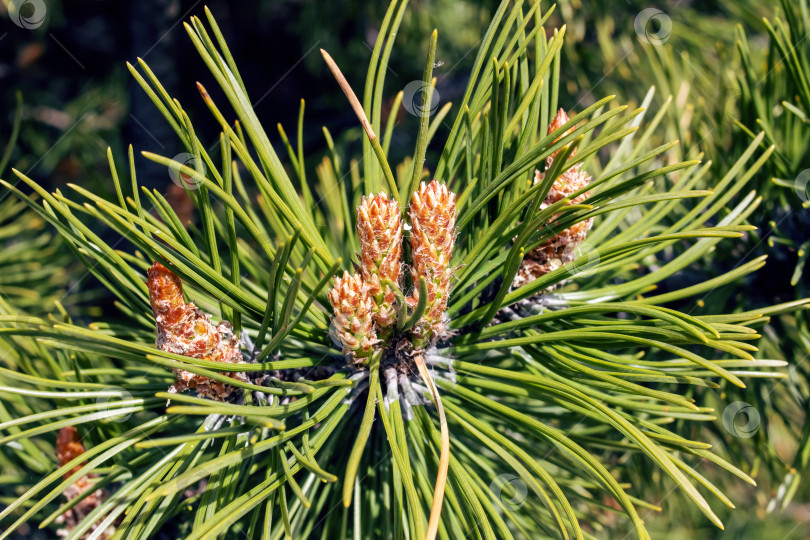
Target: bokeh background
(64,73)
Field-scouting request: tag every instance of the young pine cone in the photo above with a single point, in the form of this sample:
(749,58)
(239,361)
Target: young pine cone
(68,448)
(185,330)
(561,248)
(379,228)
(352,324)
(433,234)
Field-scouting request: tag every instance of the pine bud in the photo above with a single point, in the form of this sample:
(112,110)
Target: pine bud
(433,220)
(185,330)
(68,448)
(556,124)
(379,228)
(352,325)
(561,248)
